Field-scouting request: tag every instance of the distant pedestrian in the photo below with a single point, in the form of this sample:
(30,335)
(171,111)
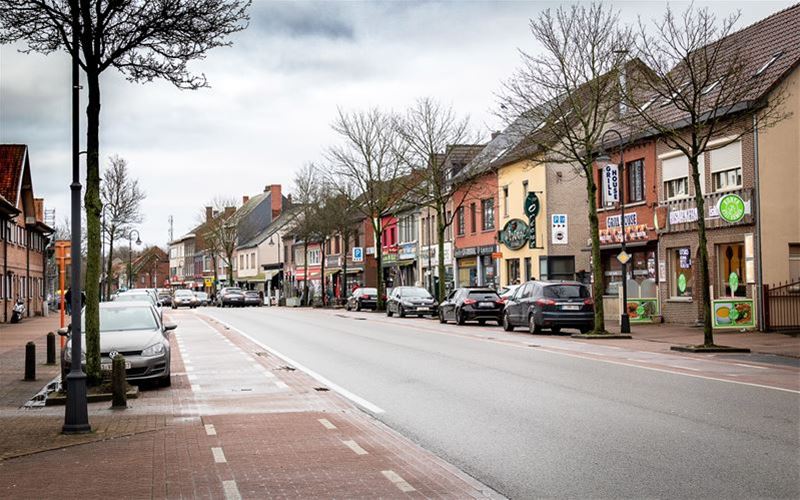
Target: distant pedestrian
(68,301)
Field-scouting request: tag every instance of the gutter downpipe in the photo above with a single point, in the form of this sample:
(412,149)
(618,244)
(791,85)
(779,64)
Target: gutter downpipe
(759,273)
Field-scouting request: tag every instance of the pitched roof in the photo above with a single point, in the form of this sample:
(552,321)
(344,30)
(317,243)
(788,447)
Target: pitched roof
(12,166)
(284,218)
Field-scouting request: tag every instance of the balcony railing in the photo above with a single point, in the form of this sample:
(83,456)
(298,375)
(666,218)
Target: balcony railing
(681,214)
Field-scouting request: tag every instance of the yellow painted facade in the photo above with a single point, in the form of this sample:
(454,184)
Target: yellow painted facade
(511,179)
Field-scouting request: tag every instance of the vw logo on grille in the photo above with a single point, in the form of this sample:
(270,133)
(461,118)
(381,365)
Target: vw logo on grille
(113,354)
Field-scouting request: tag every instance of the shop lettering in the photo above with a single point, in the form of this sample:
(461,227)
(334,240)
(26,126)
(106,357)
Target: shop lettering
(630,220)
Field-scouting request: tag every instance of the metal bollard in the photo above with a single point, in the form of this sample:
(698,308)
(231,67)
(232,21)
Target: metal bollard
(30,361)
(119,398)
(51,348)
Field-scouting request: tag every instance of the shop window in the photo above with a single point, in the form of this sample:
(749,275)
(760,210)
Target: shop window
(512,271)
(461,222)
(676,188)
(682,278)
(487,207)
(731,259)
(635,172)
(557,268)
(794,262)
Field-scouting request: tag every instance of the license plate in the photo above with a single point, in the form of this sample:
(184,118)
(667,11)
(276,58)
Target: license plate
(571,308)
(423,309)
(486,304)
(107,366)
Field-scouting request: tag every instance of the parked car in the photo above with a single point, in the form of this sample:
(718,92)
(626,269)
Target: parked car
(202,298)
(230,296)
(165,299)
(252,298)
(363,298)
(184,298)
(135,295)
(410,300)
(135,330)
(549,304)
(471,304)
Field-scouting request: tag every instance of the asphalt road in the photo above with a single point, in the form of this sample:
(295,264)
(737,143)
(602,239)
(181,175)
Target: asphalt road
(531,423)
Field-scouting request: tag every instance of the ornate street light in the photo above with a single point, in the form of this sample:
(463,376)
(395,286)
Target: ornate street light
(130,253)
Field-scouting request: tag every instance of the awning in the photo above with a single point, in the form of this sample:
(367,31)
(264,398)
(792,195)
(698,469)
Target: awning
(332,271)
(354,271)
(269,274)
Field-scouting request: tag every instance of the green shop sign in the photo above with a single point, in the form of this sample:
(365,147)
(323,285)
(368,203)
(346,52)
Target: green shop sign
(731,208)
(733,281)
(682,283)
(514,234)
(532,205)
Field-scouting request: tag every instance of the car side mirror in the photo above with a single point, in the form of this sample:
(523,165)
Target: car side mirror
(65,331)
(169,327)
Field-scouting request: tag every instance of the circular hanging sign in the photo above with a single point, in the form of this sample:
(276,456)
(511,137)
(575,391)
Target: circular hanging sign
(532,205)
(514,234)
(731,208)
(682,283)
(733,282)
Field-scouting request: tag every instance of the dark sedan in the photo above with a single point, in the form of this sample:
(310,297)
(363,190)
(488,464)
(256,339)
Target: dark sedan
(252,298)
(551,305)
(471,304)
(230,296)
(410,300)
(363,298)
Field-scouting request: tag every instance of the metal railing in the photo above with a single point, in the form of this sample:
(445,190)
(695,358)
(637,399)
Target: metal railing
(782,307)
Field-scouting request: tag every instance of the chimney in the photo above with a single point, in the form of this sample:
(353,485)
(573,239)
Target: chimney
(229,210)
(209,213)
(245,199)
(277,199)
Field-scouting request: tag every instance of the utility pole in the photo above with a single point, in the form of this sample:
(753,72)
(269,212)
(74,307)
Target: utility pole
(171,222)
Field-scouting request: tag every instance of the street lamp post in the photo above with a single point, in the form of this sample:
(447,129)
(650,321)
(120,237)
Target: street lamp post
(76,413)
(625,323)
(130,254)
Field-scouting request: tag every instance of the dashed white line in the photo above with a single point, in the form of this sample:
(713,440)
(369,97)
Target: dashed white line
(752,366)
(210,430)
(326,423)
(231,490)
(355,447)
(398,481)
(282,385)
(219,456)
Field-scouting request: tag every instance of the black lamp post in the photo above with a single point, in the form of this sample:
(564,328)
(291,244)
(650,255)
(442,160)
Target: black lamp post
(76,413)
(625,323)
(130,254)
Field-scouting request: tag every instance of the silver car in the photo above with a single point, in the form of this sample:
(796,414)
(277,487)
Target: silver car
(135,330)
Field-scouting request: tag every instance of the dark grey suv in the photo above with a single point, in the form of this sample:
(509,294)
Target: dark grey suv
(550,304)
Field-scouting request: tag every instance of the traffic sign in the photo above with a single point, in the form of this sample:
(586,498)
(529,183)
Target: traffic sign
(623,257)
(358,254)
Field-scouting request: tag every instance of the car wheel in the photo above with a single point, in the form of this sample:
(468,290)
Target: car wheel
(388,311)
(358,306)
(460,317)
(481,322)
(507,326)
(441,317)
(532,326)
(166,381)
(401,312)
(556,330)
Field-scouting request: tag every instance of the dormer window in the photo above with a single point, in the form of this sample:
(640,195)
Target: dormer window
(712,86)
(767,64)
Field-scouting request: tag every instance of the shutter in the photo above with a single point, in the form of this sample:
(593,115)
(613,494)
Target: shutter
(727,158)
(674,168)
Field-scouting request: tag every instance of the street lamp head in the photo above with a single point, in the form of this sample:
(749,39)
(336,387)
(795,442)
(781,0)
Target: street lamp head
(603,158)
(138,241)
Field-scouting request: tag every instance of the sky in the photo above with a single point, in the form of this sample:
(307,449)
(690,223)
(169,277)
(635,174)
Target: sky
(275,92)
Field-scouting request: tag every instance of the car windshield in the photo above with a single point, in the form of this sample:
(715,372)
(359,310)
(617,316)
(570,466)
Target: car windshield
(183,293)
(566,292)
(233,290)
(483,295)
(123,319)
(136,297)
(251,294)
(415,292)
(201,295)
(369,291)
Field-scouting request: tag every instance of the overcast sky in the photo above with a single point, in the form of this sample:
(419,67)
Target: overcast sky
(275,92)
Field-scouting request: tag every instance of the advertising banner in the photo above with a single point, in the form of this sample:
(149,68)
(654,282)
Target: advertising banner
(733,313)
(643,310)
(610,184)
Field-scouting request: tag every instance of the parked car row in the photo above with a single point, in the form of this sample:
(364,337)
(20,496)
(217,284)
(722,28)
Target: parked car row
(536,305)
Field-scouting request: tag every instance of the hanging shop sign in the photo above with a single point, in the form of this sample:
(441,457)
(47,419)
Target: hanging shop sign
(532,234)
(532,205)
(731,208)
(559,234)
(610,184)
(407,251)
(514,234)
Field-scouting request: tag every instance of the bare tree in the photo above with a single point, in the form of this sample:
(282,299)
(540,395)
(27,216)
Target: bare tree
(702,86)
(429,132)
(144,40)
(218,233)
(563,97)
(122,203)
(339,216)
(307,224)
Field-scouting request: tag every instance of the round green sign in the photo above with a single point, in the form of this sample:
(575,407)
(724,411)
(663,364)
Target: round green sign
(733,281)
(682,283)
(731,208)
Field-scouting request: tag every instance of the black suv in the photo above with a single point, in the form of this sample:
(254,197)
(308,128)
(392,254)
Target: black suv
(550,304)
(471,304)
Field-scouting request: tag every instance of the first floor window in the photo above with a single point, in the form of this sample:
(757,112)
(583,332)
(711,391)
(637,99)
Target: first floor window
(314,257)
(682,276)
(794,262)
(727,179)
(461,222)
(487,207)
(635,181)
(676,188)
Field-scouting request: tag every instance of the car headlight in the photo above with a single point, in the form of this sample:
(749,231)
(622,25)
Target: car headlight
(407,304)
(154,350)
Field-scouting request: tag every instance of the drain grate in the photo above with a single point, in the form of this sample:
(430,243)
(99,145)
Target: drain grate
(360,319)
(262,354)
(534,345)
(287,368)
(321,389)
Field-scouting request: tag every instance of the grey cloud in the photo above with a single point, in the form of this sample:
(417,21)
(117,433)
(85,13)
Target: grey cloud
(318,19)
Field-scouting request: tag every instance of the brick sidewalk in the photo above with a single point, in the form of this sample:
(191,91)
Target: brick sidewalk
(177,442)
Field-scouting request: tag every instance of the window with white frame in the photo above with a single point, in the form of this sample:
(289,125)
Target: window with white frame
(314,257)
(487,207)
(675,175)
(726,167)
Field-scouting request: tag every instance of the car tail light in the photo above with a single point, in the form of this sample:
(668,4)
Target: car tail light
(546,302)
(588,302)
(469,302)
(501,300)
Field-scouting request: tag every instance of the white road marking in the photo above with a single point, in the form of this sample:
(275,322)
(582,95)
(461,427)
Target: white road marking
(196,388)
(192,377)
(188,369)
(282,385)
(398,481)
(752,366)
(319,378)
(210,430)
(231,490)
(326,423)
(355,447)
(219,456)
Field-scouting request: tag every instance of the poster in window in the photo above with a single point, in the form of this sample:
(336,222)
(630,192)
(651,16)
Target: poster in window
(684,258)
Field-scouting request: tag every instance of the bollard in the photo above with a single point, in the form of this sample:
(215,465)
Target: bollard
(30,361)
(119,398)
(51,348)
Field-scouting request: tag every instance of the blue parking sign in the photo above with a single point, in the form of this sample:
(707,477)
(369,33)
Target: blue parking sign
(358,254)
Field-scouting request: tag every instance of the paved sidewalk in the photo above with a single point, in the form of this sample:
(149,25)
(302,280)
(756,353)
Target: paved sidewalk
(236,423)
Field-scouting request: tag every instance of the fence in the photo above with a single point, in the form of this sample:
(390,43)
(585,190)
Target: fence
(782,307)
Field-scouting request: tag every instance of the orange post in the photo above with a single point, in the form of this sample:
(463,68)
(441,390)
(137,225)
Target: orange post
(63,257)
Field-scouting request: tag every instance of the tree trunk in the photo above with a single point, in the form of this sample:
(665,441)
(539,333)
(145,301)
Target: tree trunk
(230,269)
(109,266)
(440,229)
(377,227)
(322,273)
(597,264)
(346,251)
(702,251)
(93,207)
(216,275)
(305,300)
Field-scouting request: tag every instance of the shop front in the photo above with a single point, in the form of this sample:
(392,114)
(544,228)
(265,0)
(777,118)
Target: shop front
(476,266)
(407,264)
(429,264)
